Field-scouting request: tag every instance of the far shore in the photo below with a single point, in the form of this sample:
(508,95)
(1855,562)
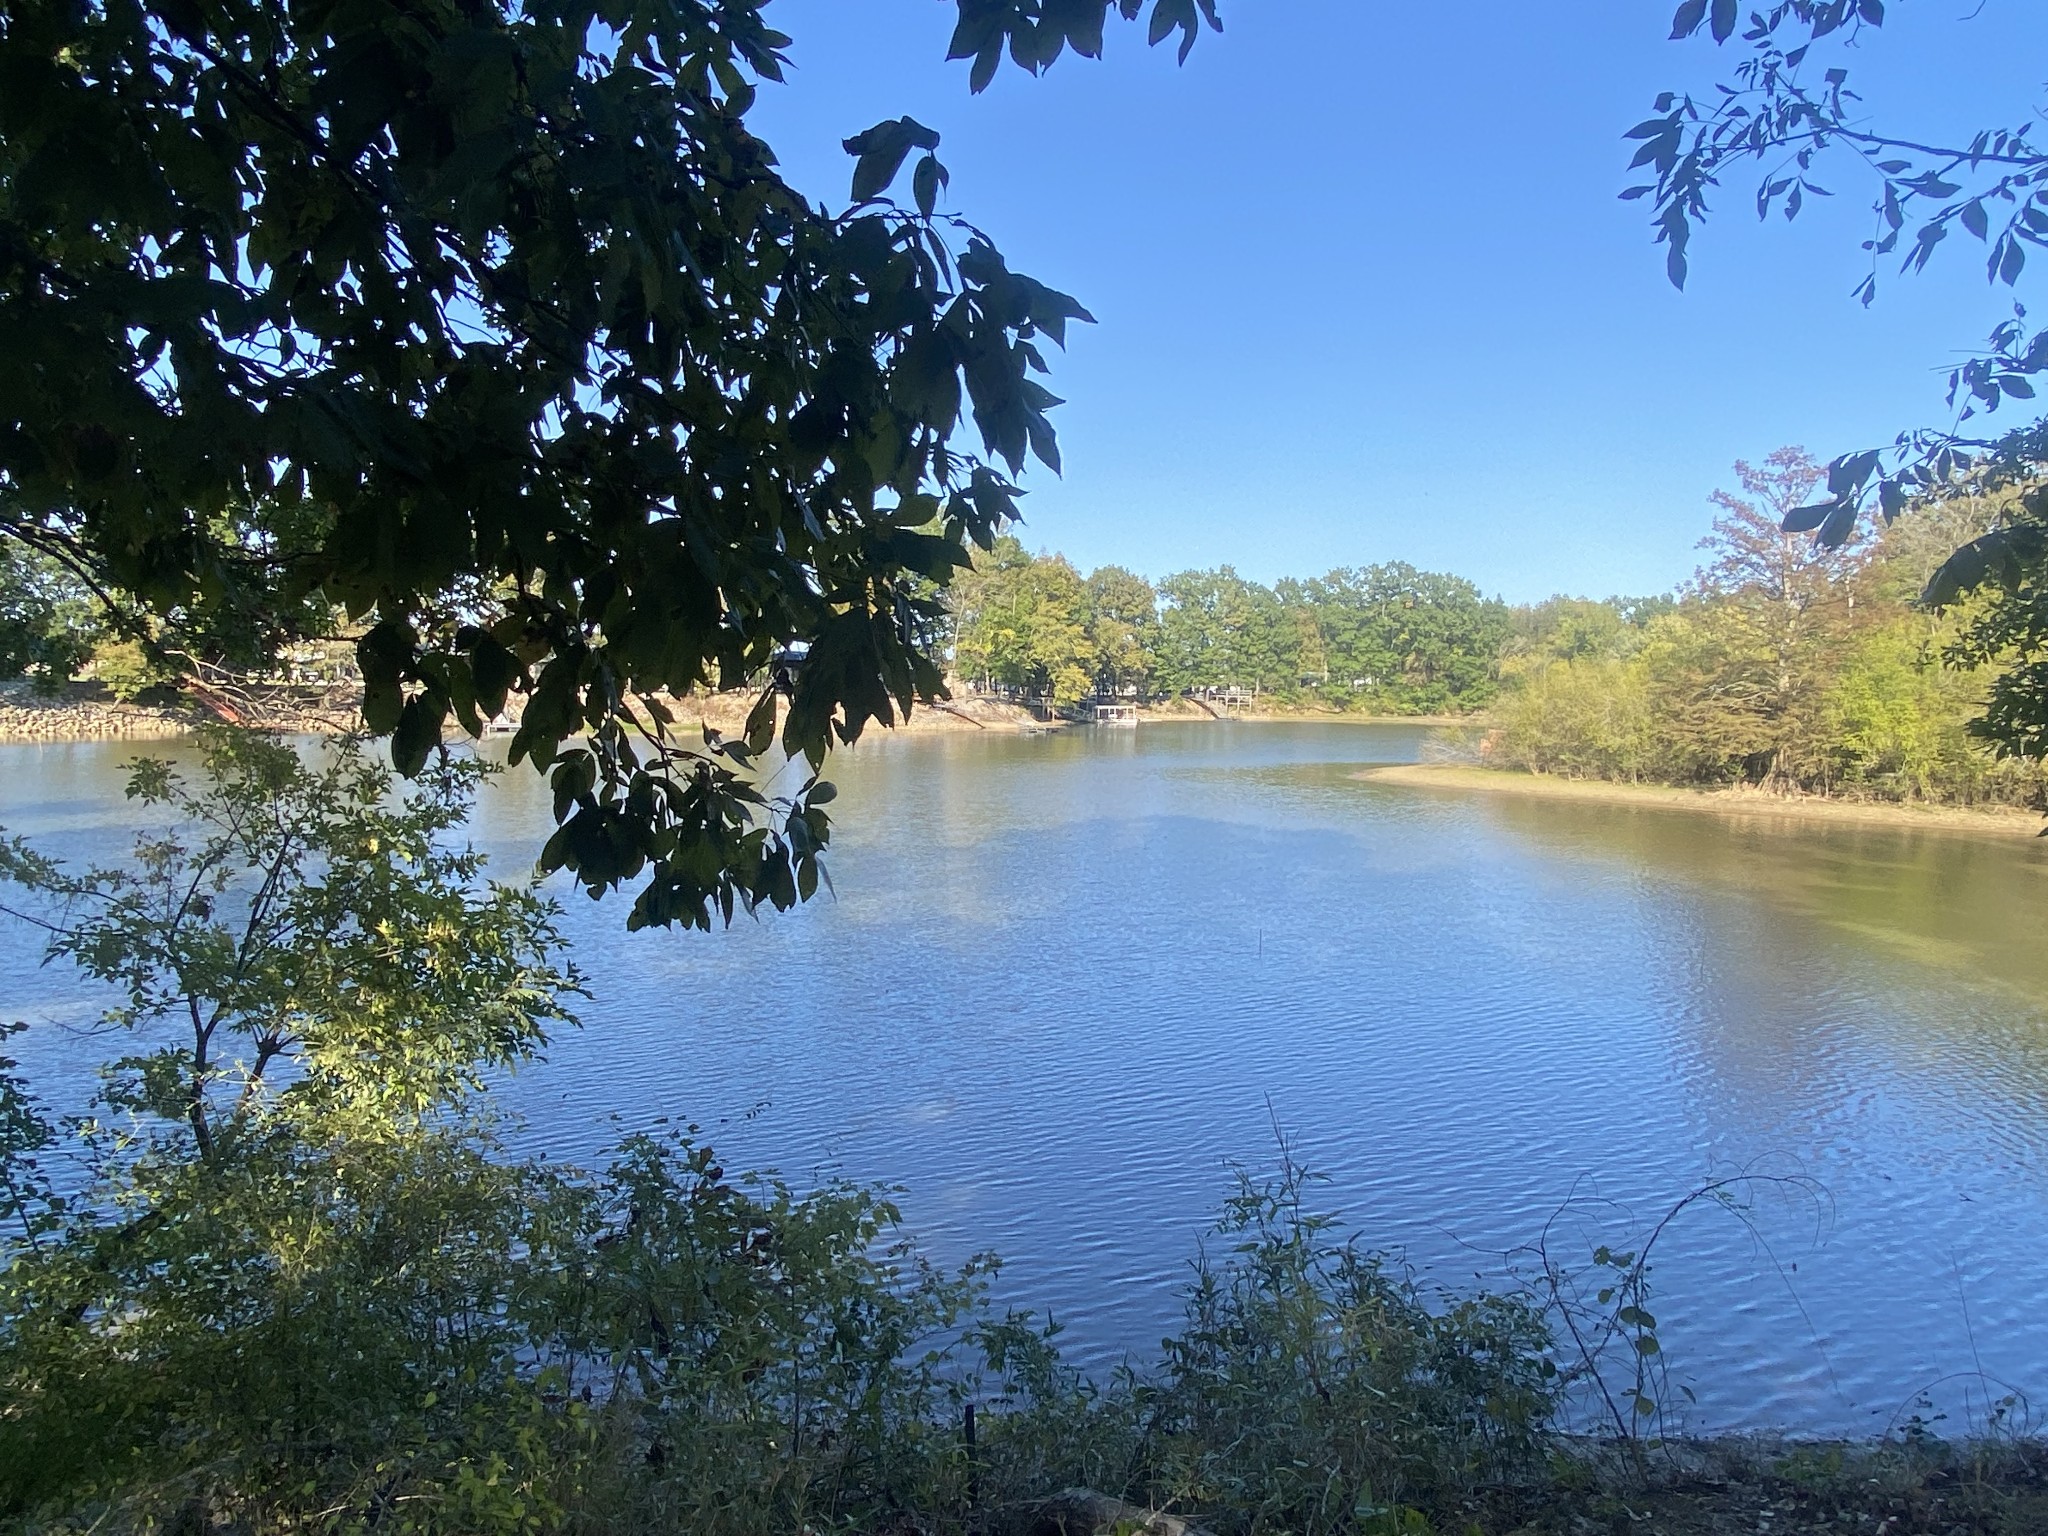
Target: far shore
(1458,778)
(1178,711)
(84,713)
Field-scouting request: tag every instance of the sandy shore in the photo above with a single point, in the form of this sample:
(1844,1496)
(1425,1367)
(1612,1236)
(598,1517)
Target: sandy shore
(1994,821)
(1176,711)
(728,712)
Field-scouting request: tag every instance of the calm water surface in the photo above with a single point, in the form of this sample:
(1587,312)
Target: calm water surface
(1068,981)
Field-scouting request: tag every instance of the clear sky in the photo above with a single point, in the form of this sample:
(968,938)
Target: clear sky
(1366,291)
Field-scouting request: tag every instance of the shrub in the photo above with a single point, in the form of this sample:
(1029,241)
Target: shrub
(1582,719)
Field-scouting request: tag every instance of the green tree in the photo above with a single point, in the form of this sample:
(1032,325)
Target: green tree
(298,940)
(1571,629)
(1583,717)
(1218,630)
(1779,605)
(1022,620)
(987,646)
(1897,721)
(1407,640)
(49,624)
(497,327)
(1123,626)
(1311,646)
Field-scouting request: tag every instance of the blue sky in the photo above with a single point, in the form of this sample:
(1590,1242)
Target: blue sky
(1366,292)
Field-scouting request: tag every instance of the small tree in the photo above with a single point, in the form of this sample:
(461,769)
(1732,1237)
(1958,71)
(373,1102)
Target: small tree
(47,623)
(299,939)
(1779,604)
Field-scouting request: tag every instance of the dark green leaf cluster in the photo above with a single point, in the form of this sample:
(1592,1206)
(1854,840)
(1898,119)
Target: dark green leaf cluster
(495,327)
(1036,32)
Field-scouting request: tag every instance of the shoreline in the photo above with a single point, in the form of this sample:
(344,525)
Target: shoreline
(1456,778)
(1181,713)
(80,715)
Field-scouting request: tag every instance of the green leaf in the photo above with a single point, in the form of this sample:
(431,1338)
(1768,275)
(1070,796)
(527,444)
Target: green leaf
(925,183)
(760,727)
(418,733)
(881,151)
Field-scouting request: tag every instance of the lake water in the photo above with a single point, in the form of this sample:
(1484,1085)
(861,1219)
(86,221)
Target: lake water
(1068,981)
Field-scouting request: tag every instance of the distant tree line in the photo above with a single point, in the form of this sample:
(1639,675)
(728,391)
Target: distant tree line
(1382,637)
(1782,663)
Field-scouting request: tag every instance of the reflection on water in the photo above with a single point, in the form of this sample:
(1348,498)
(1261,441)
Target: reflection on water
(1068,980)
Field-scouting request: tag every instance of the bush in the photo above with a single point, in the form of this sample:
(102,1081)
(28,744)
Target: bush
(1314,1386)
(1902,722)
(1587,719)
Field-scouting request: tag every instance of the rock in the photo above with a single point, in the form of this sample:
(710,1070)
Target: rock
(1084,1512)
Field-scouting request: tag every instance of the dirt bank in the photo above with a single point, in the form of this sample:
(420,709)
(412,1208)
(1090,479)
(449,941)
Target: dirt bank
(1995,821)
(1167,711)
(1786,1488)
(84,712)
(728,712)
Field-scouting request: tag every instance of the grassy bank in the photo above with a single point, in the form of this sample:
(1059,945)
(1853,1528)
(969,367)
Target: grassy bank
(1736,804)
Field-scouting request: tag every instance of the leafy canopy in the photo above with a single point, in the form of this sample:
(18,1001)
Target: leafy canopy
(1790,111)
(496,327)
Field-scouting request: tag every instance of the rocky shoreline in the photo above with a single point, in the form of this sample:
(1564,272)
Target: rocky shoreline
(86,712)
(75,715)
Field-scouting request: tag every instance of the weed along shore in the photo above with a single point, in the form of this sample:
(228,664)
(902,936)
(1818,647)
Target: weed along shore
(1747,804)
